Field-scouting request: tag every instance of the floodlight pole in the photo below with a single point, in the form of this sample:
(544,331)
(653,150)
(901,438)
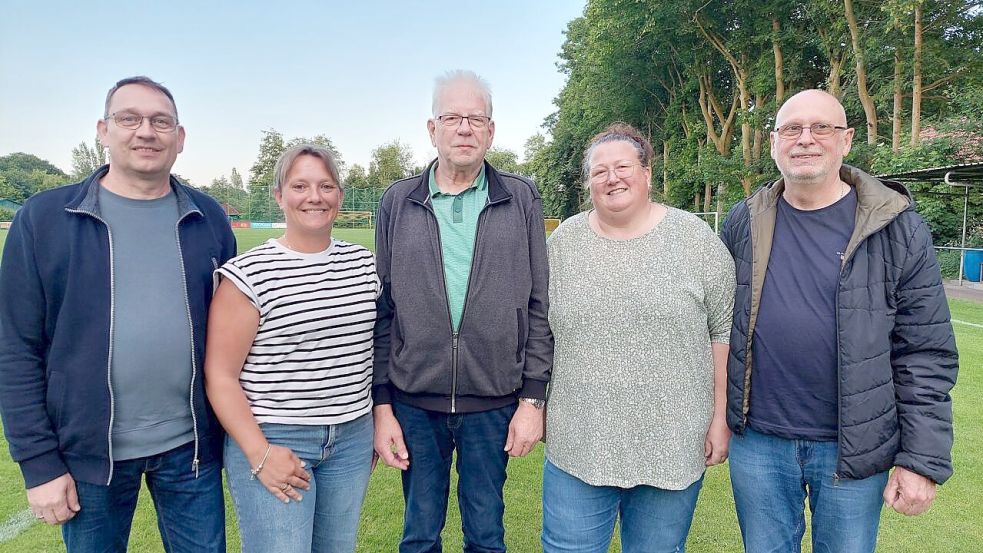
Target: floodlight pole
(962,245)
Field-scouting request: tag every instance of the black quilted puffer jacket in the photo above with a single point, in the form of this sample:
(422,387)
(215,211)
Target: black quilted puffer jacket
(897,357)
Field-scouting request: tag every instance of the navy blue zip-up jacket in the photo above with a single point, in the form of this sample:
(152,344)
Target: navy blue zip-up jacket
(56,294)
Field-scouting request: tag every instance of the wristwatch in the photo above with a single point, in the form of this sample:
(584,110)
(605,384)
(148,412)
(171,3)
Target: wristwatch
(537,403)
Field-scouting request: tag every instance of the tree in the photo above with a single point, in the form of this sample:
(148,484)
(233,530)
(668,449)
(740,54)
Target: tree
(503,159)
(260,205)
(226,193)
(85,159)
(235,179)
(27,174)
(7,191)
(357,177)
(324,142)
(390,162)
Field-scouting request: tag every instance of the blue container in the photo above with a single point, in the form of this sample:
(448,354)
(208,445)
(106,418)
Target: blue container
(971,265)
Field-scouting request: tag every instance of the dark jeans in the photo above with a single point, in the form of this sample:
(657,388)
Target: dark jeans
(431,439)
(190,509)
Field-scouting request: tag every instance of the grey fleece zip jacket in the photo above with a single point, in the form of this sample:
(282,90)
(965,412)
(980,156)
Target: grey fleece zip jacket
(503,348)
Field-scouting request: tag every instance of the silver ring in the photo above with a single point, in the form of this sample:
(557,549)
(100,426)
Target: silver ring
(285,487)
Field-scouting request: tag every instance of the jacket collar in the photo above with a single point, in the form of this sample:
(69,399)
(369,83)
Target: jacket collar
(496,189)
(87,198)
(878,203)
(881,199)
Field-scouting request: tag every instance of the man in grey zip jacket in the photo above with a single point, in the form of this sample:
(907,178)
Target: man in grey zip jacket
(842,354)
(463,350)
(104,291)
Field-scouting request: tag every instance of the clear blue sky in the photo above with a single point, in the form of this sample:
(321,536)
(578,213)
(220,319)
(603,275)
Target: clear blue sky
(360,73)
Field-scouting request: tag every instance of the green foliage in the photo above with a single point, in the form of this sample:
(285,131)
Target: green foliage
(357,177)
(390,162)
(6,214)
(25,174)
(260,205)
(86,159)
(503,159)
(674,69)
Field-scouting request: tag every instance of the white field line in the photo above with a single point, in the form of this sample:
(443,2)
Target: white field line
(957,321)
(17,523)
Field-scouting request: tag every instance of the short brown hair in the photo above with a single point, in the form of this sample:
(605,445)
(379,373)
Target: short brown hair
(140,80)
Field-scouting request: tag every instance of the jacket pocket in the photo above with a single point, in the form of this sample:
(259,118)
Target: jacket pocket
(521,341)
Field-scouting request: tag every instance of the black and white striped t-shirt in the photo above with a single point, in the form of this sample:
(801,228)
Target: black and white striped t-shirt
(311,361)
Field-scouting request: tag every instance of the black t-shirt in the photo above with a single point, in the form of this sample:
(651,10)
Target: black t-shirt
(794,363)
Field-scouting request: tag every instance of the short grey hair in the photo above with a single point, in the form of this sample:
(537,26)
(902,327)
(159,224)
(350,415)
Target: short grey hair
(143,81)
(444,81)
(290,155)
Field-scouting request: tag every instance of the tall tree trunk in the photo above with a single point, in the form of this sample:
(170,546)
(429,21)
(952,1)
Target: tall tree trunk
(870,110)
(779,63)
(898,100)
(707,197)
(745,121)
(741,72)
(721,193)
(834,80)
(916,80)
(759,100)
(665,169)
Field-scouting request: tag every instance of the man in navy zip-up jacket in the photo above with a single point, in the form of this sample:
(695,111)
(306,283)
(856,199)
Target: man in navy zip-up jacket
(104,291)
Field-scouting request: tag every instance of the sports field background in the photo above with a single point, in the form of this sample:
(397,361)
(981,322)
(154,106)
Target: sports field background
(952,525)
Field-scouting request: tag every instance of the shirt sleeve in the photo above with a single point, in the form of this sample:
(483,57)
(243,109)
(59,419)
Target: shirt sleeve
(720,283)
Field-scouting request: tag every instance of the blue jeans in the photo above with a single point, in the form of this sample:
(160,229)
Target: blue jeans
(772,477)
(338,458)
(431,439)
(190,508)
(579,517)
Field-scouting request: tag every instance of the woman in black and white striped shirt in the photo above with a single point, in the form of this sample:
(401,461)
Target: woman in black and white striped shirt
(288,369)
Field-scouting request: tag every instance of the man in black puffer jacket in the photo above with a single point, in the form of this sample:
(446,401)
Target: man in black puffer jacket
(842,353)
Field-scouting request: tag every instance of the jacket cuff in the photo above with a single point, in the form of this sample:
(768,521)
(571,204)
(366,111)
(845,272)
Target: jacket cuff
(382,395)
(534,389)
(935,469)
(42,469)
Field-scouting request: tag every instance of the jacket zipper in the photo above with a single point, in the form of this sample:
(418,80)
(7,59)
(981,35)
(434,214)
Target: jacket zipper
(112,324)
(839,391)
(464,308)
(191,327)
(455,334)
(746,399)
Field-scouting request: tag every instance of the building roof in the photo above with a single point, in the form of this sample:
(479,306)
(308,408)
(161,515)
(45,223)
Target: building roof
(970,174)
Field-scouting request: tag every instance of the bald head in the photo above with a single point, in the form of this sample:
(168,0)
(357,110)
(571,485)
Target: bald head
(815,103)
(809,161)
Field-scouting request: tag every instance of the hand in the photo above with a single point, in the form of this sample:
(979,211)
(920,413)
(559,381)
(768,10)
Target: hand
(909,493)
(283,474)
(717,442)
(525,430)
(55,502)
(389,444)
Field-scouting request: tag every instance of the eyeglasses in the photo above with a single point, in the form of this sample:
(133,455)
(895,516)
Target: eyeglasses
(601,174)
(127,120)
(819,130)
(453,120)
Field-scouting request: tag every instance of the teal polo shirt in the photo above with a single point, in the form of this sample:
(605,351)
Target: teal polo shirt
(457,219)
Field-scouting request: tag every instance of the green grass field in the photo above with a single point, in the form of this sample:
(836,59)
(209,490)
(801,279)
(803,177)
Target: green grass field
(952,525)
